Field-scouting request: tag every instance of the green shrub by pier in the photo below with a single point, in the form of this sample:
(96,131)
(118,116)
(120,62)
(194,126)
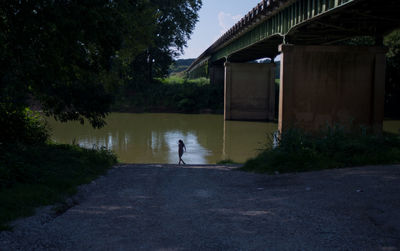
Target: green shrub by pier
(334,148)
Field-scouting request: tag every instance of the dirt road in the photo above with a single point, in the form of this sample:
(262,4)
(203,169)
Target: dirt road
(166,207)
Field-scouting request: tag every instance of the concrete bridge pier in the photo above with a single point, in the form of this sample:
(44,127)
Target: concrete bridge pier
(249,91)
(216,73)
(328,85)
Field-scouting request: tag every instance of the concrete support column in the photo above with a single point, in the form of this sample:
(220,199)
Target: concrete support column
(249,91)
(328,85)
(216,73)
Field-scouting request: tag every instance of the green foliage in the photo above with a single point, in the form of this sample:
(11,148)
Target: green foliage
(392,41)
(67,55)
(172,80)
(21,126)
(32,176)
(180,65)
(175,95)
(392,88)
(334,148)
(174,25)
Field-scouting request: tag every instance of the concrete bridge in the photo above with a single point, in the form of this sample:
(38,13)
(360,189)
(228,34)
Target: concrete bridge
(322,82)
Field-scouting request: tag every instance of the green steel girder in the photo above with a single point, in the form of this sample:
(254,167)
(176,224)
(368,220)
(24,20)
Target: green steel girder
(280,24)
(198,72)
(273,22)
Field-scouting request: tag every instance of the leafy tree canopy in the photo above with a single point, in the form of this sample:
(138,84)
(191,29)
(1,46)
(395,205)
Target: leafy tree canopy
(67,54)
(176,20)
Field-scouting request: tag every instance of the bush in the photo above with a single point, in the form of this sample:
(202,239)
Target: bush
(174,95)
(333,148)
(173,80)
(22,126)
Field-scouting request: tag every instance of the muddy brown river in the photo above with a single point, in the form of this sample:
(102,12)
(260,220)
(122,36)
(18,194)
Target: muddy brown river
(153,138)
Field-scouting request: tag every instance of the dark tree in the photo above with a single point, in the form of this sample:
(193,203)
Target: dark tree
(176,20)
(68,55)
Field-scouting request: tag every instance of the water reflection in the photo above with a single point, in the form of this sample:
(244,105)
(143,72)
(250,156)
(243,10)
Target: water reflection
(243,140)
(392,126)
(153,138)
(195,152)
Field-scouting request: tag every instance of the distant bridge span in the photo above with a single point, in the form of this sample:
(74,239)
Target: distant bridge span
(321,82)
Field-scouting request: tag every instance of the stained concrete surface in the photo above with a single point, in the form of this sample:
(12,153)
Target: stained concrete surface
(249,91)
(167,207)
(331,85)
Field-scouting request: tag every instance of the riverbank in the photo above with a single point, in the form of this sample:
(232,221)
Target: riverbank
(163,109)
(44,174)
(335,147)
(154,207)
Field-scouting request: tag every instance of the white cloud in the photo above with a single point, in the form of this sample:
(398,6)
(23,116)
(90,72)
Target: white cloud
(191,52)
(227,20)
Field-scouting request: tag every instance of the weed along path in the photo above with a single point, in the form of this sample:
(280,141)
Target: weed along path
(166,207)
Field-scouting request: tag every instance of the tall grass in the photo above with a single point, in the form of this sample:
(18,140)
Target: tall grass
(298,151)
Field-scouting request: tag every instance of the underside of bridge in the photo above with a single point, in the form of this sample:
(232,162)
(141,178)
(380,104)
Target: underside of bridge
(316,30)
(374,18)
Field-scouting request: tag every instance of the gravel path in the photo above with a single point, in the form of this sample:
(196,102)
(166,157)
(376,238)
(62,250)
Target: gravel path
(154,207)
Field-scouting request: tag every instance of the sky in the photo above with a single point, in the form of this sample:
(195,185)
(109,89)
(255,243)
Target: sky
(215,18)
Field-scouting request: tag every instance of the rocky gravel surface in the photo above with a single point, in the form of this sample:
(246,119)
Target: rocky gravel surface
(168,207)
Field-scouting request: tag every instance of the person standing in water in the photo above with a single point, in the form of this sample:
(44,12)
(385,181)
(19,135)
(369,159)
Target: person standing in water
(180,151)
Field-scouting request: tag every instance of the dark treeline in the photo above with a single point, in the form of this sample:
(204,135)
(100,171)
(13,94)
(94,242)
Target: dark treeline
(185,96)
